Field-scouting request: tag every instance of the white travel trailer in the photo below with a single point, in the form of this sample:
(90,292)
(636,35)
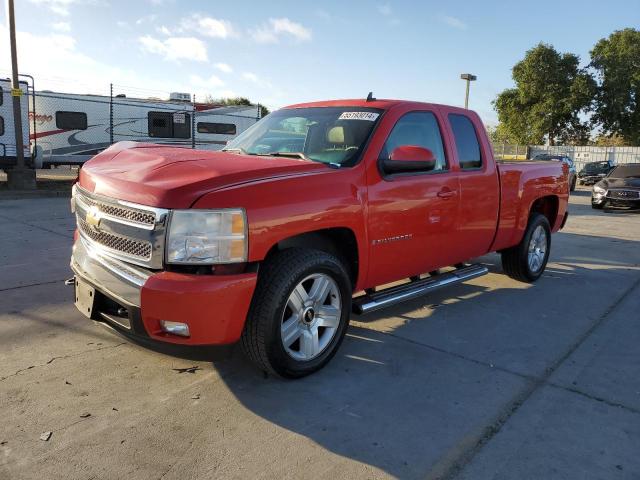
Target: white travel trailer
(71,128)
(7,131)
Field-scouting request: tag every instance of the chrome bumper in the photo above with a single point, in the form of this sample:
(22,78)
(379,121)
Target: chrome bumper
(114,278)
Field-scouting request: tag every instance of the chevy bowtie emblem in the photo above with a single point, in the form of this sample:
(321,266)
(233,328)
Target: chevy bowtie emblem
(93,217)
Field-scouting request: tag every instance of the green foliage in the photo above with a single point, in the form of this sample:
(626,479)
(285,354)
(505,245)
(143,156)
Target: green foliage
(550,93)
(499,135)
(616,60)
(614,140)
(236,101)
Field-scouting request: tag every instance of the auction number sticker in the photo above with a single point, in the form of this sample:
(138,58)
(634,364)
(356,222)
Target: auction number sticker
(179,118)
(369,116)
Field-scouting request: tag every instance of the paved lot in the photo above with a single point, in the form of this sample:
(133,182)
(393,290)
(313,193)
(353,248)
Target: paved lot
(489,379)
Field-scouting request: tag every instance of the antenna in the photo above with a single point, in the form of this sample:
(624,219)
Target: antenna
(370,97)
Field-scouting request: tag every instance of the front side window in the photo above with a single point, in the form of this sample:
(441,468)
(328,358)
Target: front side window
(418,129)
(467,143)
(71,120)
(335,135)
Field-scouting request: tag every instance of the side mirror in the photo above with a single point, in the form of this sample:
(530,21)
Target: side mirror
(409,158)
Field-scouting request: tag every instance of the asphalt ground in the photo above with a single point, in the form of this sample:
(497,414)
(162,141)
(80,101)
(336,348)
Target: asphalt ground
(491,379)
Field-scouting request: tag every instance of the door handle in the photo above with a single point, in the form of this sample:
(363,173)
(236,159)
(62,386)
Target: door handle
(446,193)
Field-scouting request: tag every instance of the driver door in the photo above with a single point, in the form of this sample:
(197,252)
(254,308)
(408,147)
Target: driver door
(413,217)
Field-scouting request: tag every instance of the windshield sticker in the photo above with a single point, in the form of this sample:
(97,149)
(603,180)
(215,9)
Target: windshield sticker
(369,116)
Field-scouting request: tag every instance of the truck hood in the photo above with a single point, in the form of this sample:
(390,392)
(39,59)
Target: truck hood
(175,177)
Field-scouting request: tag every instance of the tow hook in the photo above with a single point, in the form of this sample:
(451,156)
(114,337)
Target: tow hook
(70,282)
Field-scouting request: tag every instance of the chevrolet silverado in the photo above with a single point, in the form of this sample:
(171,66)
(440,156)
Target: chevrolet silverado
(304,218)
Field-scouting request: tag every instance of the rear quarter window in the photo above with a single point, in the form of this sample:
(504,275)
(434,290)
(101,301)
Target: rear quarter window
(467,144)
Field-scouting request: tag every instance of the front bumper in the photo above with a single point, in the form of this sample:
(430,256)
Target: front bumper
(214,306)
(609,202)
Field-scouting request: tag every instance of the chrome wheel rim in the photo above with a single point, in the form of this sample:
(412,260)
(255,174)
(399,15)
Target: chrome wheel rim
(311,317)
(537,248)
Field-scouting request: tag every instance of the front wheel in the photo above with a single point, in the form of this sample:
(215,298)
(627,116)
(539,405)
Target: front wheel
(527,260)
(299,313)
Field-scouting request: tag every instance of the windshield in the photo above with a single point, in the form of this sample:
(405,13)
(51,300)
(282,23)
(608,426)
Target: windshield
(596,167)
(626,171)
(335,135)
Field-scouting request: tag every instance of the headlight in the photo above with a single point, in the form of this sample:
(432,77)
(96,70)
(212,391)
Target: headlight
(207,237)
(599,190)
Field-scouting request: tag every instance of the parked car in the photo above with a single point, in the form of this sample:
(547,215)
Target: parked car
(562,158)
(593,172)
(619,189)
(267,241)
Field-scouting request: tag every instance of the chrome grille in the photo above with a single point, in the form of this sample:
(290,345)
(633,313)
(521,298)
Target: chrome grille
(120,244)
(117,211)
(126,231)
(624,194)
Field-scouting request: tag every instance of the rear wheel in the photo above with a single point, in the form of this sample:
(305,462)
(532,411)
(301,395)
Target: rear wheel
(527,260)
(299,313)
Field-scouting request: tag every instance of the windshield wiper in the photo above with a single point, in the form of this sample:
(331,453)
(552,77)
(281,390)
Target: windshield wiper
(235,150)
(288,154)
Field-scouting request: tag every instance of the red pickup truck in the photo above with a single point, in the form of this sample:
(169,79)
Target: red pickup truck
(299,221)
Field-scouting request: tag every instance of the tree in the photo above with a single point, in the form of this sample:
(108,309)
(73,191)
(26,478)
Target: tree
(499,136)
(550,94)
(616,60)
(236,101)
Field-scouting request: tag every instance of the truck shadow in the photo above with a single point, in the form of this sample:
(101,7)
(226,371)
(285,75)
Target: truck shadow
(411,382)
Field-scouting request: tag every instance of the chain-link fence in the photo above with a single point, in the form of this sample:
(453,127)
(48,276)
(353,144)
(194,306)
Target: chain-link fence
(580,155)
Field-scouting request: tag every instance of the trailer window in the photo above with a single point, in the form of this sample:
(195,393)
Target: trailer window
(1,126)
(169,124)
(71,120)
(217,128)
(467,143)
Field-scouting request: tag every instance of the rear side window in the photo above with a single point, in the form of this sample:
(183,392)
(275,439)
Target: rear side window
(467,143)
(1,126)
(217,128)
(71,120)
(419,129)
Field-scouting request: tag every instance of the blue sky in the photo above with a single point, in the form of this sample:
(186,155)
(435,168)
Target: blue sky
(279,52)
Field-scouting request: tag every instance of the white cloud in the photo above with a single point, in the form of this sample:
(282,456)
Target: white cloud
(252,77)
(175,48)
(61,7)
(61,26)
(223,67)
(208,26)
(453,22)
(163,30)
(277,27)
(211,82)
(385,9)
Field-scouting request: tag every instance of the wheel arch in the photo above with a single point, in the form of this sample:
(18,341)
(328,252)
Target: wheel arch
(547,206)
(338,241)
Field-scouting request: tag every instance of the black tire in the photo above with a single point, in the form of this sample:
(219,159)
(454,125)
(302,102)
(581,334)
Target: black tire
(515,262)
(261,337)
(597,206)
(573,185)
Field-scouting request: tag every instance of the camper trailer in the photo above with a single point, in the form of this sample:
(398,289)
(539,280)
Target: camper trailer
(7,131)
(70,128)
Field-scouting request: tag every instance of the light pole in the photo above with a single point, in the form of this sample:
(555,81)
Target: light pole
(469,78)
(19,177)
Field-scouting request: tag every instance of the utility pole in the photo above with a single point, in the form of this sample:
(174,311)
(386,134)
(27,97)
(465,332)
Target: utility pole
(469,78)
(19,177)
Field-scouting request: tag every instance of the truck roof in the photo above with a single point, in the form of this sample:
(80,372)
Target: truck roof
(383,104)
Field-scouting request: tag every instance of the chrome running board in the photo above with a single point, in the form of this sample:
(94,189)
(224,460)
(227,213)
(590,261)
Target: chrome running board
(416,288)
